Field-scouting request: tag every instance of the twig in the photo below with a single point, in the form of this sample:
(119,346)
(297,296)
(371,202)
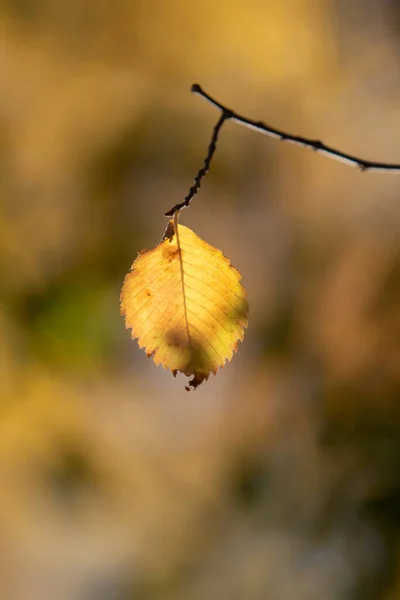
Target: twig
(315,145)
(226,114)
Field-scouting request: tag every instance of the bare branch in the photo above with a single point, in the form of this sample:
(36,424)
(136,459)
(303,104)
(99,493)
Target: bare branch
(315,145)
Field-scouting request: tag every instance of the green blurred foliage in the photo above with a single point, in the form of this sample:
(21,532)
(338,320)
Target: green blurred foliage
(280,477)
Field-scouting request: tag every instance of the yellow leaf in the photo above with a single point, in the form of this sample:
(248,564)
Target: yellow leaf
(185,304)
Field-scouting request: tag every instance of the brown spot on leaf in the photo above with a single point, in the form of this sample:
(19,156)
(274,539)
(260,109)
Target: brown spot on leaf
(170,253)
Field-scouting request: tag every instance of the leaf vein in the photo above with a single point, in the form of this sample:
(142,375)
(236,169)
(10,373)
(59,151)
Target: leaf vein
(154,294)
(155,325)
(216,278)
(201,293)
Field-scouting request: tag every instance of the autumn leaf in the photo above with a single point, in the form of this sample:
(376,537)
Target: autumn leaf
(184,302)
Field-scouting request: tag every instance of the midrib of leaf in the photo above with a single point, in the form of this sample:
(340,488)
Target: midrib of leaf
(183,284)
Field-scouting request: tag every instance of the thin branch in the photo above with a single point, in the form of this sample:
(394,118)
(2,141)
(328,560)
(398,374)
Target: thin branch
(315,145)
(226,114)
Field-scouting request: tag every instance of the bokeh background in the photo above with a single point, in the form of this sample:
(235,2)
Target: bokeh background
(280,477)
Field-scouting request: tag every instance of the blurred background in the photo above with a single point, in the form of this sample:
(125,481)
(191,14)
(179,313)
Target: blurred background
(280,477)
